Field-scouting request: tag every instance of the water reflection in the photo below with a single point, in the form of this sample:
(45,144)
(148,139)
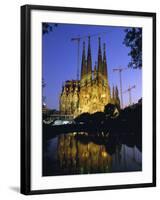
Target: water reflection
(81,154)
(82,157)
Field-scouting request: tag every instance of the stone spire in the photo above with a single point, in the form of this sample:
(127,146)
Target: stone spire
(95,66)
(113,93)
(83,64)
(105,70)
(89,58)
(116,93)
(95,70)
(99,57)
(117,100)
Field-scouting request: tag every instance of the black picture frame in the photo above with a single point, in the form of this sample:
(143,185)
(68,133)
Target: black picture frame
(26,98)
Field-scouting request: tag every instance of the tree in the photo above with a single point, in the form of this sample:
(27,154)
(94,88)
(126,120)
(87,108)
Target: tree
(43,83)
(84,117)
(111,111)
(46,28)
(133,40)
(98,117)
(43,86)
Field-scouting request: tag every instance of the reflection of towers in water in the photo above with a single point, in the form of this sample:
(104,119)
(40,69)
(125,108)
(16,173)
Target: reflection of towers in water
(124,157)
(118,156)
(134,154)
(77,157)
(67,151)
(129,157)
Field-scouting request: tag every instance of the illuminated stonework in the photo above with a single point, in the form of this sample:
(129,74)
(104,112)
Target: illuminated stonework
(92,92)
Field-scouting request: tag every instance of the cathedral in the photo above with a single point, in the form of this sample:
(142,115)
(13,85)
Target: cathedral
(92,92)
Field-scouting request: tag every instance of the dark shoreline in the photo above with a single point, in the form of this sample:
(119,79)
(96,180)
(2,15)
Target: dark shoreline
(111,126)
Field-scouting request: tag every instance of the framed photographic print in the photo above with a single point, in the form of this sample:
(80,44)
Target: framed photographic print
(88,99)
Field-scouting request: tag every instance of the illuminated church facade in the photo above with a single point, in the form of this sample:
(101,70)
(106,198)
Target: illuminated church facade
(92,92)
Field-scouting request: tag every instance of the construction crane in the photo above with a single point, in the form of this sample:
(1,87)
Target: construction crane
(129,92)
(120,78)
(78,39)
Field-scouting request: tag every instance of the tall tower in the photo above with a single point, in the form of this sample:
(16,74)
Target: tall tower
(100,70)
(83,64)
(89,62)
(113,93)
(95,72)
(115,96)
(105,70)
(83,67)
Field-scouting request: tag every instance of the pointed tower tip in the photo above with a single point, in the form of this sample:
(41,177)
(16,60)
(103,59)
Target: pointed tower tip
(100,67)
(113,92)
(89,45)
(89,41)
(99,44)
(83,64)
(104,51)
(104,46)
(89,59)
(99,41)
(105,70)
(83,44)
(95,65)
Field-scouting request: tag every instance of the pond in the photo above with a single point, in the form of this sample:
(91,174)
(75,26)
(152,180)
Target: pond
(81,153)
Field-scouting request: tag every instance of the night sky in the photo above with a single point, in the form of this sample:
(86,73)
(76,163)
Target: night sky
(60,59)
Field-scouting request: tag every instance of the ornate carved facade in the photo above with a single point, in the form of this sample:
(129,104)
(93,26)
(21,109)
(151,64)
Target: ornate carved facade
(92,92)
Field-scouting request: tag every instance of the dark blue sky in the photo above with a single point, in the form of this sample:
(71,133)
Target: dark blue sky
(60,59)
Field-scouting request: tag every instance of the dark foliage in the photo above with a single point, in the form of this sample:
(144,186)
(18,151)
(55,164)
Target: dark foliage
(111,110)
(46,28)
(84,117)
(98,117)
(43,86)
(133,40)
(43,83)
